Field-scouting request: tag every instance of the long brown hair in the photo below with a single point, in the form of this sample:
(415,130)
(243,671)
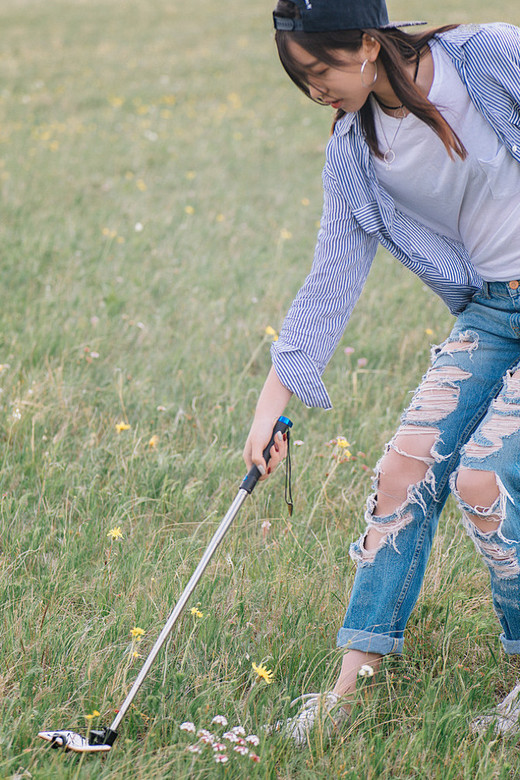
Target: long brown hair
(397,50)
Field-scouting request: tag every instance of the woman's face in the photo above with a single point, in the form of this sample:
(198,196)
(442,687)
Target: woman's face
(340,86)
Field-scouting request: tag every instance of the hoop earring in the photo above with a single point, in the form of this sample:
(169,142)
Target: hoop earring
(363,66)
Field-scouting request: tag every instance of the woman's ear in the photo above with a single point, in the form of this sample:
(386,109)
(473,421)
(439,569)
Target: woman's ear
(370,48)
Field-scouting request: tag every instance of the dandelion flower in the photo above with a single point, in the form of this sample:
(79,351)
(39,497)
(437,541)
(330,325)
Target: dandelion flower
(220,720)
(285,234)
(366,671)
(196,612)
(137,633)
(122,426)
(342,442)
(154,441)
(269,331)
(429,332)
(115,533)
(189,210)
(263,673)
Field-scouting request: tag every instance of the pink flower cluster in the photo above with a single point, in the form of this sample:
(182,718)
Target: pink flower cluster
(224,746)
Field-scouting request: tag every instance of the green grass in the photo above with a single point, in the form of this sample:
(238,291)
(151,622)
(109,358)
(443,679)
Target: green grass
(160,191)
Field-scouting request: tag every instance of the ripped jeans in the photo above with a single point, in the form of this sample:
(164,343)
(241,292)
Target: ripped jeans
(464,419)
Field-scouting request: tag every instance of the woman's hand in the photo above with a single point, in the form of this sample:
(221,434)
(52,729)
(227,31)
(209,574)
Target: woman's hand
(258,439)
(272,402)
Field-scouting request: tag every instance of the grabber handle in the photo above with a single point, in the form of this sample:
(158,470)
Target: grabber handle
(283,424)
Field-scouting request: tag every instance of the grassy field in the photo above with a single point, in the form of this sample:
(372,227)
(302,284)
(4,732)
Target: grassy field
(160,183)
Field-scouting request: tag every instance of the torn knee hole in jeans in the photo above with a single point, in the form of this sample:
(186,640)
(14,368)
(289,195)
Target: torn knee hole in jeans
(499,553)
(415,463)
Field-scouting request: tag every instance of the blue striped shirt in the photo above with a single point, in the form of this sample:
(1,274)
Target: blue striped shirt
(358,215)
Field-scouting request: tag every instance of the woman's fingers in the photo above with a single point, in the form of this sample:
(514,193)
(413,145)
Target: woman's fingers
(254,449)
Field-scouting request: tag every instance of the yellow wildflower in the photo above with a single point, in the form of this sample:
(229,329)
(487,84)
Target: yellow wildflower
(285,234)
(137,633)
(429,332)
(95,714)
(196,612)
(115,533)
(342,442)
(262,673)
(122,426)
(189,210)
(154,441)
(269,331)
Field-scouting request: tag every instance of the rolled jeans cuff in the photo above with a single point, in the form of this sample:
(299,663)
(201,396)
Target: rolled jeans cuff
(369,642)
(511,646)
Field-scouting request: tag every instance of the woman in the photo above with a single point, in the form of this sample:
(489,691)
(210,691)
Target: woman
(424,160)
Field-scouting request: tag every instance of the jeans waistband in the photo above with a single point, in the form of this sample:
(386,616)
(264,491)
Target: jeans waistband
(502,289)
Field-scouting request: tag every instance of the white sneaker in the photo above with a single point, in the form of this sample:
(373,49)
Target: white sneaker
(505,718)
(318,709)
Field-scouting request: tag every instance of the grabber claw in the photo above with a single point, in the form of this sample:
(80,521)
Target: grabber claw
(98,741)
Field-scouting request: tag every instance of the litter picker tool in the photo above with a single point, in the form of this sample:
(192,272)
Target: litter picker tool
(101,740)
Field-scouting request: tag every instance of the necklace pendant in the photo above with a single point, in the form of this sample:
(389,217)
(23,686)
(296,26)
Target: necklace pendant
(388,158)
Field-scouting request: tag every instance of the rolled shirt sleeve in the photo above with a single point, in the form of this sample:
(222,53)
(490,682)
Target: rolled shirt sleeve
(319,314)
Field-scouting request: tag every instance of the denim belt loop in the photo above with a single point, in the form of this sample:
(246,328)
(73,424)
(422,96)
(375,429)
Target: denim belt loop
(485,289)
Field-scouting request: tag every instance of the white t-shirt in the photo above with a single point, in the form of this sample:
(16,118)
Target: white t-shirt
(476,200)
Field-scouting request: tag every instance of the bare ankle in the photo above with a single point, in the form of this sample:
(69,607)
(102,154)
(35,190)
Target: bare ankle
(355,662)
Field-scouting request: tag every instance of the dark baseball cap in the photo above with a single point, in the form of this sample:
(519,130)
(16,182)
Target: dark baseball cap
(333,15)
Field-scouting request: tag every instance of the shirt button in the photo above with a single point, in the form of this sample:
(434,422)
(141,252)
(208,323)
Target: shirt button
(514,285)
